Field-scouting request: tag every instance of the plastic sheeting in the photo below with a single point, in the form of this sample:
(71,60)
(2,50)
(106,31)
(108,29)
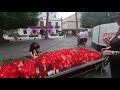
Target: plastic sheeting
(103,33)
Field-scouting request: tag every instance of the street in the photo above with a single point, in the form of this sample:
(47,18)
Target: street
(21,48)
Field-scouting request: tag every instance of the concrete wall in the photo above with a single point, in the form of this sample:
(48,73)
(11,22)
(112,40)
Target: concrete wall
(21,38)
(53,21)
(70,18)
(51,15)
(56,36)
(70,22)
(20,31)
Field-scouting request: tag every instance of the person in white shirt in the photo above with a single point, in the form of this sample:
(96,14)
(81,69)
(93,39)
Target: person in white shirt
(78,39)
(86,37)
(81,37)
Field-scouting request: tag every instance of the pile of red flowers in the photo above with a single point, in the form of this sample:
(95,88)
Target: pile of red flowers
(48,63)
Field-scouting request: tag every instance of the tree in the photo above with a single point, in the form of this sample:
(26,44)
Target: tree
(46,32)
(91,19)
(12,32)
(16,20)
(76,23)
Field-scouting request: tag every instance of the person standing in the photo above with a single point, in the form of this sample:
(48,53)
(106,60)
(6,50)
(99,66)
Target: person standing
(86,37)
(81,37)
(78,39)
(114,52)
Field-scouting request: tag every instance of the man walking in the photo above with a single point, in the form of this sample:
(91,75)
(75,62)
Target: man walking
(81,37)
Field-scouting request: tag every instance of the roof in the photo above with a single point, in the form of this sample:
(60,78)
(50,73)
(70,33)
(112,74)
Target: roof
(69,18)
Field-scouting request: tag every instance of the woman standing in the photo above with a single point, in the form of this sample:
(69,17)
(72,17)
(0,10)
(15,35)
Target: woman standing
(114,52)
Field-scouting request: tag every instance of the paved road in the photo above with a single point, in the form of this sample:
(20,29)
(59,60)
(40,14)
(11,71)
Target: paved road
(21,48)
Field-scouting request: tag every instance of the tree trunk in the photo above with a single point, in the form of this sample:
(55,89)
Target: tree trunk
(15,36)
(1,35)
(46,33)
(2,40)
(76,24)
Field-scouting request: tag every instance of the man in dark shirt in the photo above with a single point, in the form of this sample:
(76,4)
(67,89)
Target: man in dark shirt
(34,47)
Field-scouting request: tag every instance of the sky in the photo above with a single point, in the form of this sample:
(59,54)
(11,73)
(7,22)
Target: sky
(64,14)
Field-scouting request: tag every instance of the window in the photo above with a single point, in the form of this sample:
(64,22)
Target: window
(42,32)
(49,23)
(56,23)
(41,23)
(57,31)
(25,31)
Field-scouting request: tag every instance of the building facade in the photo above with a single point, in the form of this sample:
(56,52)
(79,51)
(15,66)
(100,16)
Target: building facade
(38,32)
(54,24)
(69,23)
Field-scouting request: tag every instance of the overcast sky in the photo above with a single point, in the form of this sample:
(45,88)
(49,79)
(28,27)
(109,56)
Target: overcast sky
(64,14)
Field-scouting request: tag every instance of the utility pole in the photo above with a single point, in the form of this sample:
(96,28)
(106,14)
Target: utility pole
(46,33)
(76,23)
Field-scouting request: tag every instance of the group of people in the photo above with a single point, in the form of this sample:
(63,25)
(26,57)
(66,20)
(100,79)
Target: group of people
(82,38)
(113,51)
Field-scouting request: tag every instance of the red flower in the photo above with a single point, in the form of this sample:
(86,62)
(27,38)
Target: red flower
(53,61)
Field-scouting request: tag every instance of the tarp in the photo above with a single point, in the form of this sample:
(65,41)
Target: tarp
(103,33)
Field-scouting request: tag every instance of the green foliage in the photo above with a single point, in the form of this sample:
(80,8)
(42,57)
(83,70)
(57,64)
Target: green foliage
(7,32)
(15,20)
(91,19)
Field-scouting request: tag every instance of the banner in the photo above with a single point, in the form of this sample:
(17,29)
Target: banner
(107,37)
